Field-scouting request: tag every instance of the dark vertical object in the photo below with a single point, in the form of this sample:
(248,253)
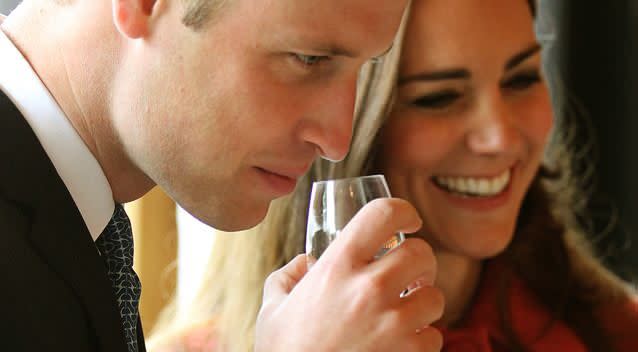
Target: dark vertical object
(631,206)
(598,53)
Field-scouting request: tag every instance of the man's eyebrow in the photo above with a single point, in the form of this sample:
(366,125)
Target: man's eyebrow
(336,50)
(522,56)
(455,73)
(333,50)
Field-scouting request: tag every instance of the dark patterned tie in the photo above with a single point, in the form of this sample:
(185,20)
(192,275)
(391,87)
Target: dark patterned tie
(116,247)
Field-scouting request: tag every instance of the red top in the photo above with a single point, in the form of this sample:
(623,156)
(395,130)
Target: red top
(480,329)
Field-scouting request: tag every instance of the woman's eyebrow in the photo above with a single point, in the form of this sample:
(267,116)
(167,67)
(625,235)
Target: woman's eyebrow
(455,73)
(460,73)
(522,56)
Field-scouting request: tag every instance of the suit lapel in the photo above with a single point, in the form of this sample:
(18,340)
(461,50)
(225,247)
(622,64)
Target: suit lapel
(58,232)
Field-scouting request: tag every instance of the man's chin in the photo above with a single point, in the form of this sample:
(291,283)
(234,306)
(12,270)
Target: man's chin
(235,219)
(240,226)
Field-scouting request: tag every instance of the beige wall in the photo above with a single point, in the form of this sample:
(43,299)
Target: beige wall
(155,234)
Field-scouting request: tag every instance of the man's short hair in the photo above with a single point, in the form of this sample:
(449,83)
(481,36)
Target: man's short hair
(198,13)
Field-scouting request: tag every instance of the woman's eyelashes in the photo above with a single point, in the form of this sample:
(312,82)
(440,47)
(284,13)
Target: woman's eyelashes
(437,100)
(522,81)
(446,98)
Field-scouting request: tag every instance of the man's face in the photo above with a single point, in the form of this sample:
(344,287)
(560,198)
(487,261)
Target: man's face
(226,119)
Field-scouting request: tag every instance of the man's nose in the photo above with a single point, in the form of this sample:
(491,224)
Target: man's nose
(330,127)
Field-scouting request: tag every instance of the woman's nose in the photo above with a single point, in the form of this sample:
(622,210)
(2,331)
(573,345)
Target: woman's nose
(493,131)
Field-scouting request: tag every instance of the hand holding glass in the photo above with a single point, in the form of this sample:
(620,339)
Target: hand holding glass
(333,203)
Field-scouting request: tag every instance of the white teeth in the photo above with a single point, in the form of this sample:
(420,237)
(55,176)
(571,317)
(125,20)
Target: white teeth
(462,182)
(472,184)
(482,187)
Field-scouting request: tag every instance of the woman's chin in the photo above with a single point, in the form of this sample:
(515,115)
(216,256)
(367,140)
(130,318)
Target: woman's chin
(481,247)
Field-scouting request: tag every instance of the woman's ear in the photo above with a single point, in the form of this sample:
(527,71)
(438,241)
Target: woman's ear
(132,17)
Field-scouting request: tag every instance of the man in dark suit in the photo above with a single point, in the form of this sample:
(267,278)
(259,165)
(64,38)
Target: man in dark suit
(224,104)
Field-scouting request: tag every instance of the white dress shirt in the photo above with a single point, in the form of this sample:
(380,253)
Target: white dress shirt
(77,167)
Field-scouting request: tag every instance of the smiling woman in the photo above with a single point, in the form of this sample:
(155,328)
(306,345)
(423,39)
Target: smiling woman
(467,144)
(460,121)
(470,123)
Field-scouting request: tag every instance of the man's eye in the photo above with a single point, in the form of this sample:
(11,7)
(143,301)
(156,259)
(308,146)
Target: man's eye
(309,60)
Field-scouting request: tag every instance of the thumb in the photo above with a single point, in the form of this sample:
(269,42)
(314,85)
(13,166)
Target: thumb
(279,284)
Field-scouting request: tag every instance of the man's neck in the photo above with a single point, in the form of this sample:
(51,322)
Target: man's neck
(80,89)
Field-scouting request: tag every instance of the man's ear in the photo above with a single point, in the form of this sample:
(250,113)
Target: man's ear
(132,16)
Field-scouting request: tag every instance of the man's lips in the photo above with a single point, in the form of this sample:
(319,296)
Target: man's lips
(288,172)
(277,174)
(283,180)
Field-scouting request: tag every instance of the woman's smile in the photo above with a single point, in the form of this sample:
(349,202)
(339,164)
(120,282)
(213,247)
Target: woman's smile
(474,186)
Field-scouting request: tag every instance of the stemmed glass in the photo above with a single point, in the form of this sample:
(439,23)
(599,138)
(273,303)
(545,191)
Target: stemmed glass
(333,203)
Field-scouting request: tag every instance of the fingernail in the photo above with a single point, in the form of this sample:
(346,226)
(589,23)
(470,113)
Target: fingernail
(417,285)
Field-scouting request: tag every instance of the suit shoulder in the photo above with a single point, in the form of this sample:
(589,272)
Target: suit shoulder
(13,217)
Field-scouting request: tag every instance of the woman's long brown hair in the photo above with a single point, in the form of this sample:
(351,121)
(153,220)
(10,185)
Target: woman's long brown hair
(549,252)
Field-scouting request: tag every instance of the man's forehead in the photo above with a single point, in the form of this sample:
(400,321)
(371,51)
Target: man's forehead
(332,30)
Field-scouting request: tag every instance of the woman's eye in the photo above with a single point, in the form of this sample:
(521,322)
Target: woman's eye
(522,81)
(438,100)
(309,60)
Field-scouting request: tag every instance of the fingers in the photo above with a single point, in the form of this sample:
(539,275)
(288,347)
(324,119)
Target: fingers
(279,283)
(371,227)
(412,329)
(430,339)
(423,307)
(411,261)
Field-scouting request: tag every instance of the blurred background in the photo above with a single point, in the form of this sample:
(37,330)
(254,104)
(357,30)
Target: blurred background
(596,52)
(7,5)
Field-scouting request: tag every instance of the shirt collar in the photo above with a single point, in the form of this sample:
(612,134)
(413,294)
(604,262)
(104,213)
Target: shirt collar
(77,167)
